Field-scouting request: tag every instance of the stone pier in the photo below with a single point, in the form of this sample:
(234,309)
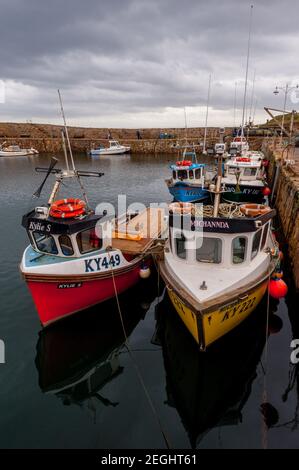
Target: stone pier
(284,175)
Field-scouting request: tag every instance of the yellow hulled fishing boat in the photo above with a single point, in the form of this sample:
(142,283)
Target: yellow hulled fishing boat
(217,264)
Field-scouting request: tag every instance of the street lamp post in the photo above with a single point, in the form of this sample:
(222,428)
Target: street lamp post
(286,89)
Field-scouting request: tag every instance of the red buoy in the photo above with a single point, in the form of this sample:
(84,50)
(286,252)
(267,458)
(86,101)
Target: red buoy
(266,191)
(277,288)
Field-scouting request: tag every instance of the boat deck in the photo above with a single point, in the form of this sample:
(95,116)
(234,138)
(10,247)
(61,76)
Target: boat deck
(145,227)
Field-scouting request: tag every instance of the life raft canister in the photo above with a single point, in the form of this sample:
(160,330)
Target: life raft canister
(254,210)
(67,208)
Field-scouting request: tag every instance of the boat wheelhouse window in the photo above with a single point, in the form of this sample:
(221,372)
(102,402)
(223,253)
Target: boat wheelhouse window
(174,174)
(198,173)
(239,246)
(208,250)
(265,236)
(180,247)
(66,245)
(191,176)
(182,174)
(249,172)
(256,243)
(88,241)
(45,243)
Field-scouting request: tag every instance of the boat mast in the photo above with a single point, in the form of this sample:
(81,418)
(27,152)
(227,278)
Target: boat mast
(66,131)
(207,114)
(246,75)
(66,134)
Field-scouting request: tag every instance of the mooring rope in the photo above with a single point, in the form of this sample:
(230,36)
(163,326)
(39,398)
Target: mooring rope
(139,375)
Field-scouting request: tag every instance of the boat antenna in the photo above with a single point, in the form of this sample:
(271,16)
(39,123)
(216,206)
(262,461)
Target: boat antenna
(207,115)
(185,115)
(66,131)
(235,103)
(246,75)
(64,150)
(252,97)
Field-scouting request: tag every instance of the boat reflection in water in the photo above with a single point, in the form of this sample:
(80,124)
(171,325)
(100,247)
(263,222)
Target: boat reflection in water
(209,389)
(76,358)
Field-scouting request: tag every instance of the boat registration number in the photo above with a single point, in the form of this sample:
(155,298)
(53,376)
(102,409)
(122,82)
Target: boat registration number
(101,263)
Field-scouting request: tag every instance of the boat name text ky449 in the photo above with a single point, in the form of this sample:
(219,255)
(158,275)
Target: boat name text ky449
(103,262)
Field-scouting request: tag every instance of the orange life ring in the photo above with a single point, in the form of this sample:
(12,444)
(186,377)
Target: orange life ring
(253,210)
(184,163)
(67,208)
(180,207)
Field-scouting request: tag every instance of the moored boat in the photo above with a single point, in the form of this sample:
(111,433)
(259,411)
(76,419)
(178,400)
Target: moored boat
(115,148)
(188,182)
(217,265)
(71,264)
(16,151)
(244,179)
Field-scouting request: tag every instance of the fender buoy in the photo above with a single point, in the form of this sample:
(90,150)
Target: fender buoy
(266,191)
(277,288)
(180,207)
(67,208)
(253,210)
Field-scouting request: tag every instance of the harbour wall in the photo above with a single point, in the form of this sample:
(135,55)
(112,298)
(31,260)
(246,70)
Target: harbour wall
(284,179)
(47,138)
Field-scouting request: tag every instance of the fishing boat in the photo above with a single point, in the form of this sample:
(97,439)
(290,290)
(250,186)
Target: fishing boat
(217,263)
(244,179)
(239,146)
(114,148)
(77,258)
(188,182)
(16,151)
(71,264)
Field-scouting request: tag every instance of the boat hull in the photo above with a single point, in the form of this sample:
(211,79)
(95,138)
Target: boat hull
(187,193)
(60,298)
(246,194)
(119,151)
(207,327)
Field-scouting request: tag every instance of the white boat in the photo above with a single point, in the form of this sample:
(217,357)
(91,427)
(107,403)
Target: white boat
(16,151)
(114,148)
(244,179)
(217,265)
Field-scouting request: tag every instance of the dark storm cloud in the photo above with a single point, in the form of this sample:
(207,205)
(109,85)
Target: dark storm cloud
(118,59)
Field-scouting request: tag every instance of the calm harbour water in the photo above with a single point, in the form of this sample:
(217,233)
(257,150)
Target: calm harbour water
(75,385)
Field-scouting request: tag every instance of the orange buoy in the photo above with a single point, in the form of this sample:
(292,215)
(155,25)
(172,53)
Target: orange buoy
(266,191)
(277,288)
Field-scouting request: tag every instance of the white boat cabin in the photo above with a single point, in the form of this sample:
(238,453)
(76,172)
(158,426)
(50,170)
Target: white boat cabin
(248,170)
(213,255)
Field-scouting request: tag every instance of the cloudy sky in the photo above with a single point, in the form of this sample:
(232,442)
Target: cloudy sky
(138,63)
